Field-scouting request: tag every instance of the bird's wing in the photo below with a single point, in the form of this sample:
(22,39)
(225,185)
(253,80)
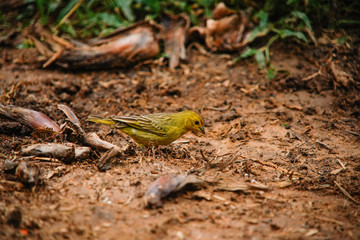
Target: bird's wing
(143,123)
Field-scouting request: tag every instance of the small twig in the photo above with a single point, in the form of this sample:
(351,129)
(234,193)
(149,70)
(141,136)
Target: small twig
(227,132)
(324,145)
(352,132)
(203,156)
(326,219)
(312,75)
(129,200)
(293,107)
(180,142)
(208,163)
(215,166)
(299,136)
(69,13)
(311,35)
(345,192)
(299,145)
(223,109)
(53,58)
(341,163)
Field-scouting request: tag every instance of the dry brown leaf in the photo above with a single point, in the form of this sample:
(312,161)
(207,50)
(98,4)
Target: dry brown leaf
(174,33)
(31,118)
(341,76)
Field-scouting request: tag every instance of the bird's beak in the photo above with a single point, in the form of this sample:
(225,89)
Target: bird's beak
(202,130)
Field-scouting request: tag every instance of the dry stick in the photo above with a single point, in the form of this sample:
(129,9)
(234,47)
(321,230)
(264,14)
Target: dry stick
(43,50)
(53,58)
(312,37)
(69,14)
(352,132)
(227,132)
(93,140)
(345,192)
(207,166)
(219,109)
(312,75)
(324,145)
(341,163)
(12,91)
(218,165)
(62,41)
(326,219)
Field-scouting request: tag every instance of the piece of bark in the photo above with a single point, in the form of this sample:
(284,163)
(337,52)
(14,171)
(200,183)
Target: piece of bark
(66,153)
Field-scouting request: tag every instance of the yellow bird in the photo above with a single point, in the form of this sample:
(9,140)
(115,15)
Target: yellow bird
(155,129)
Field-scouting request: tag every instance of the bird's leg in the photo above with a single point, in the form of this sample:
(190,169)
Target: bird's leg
(153,151)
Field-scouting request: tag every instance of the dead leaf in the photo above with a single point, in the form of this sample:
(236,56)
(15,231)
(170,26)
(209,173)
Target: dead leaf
(341,76)
(174,33)
(31,118)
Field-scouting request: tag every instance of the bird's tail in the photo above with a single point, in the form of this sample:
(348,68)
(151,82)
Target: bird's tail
(97,119)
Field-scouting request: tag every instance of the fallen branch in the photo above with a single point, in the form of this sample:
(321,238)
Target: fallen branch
(66,153)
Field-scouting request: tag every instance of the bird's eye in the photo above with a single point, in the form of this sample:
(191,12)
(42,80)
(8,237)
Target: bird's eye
(196,122)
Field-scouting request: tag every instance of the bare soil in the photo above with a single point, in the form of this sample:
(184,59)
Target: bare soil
(292,134)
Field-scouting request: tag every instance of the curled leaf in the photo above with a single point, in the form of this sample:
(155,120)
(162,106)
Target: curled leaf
(221,11)
(167,184)
(225,32)
(31,118)
(122,48)
(175,30)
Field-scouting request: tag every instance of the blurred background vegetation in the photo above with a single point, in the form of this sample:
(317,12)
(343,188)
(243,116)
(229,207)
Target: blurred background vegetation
(274,19)
(98,17)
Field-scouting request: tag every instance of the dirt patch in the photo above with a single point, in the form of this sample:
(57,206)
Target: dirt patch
(293,134)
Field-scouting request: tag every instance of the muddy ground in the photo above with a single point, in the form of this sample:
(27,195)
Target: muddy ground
(293,133)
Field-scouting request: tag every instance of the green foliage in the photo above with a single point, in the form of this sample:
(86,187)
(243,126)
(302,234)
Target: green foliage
(27,43)
(274,19)
(293,24)
(98,17)
(3,21)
